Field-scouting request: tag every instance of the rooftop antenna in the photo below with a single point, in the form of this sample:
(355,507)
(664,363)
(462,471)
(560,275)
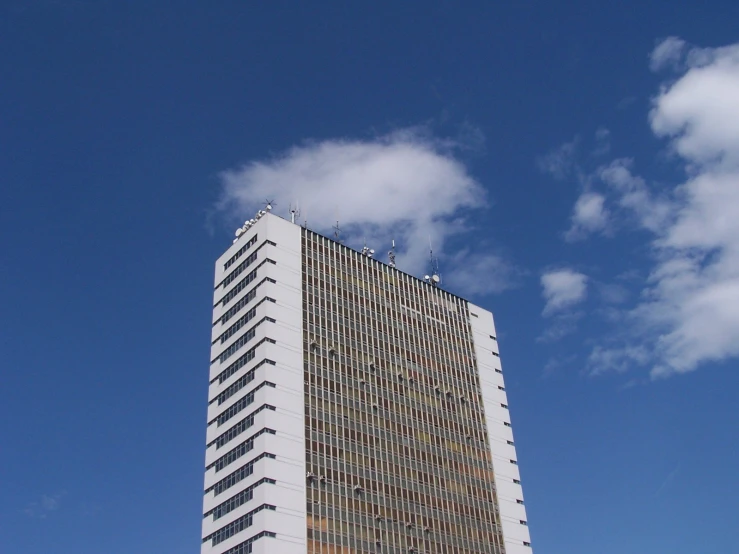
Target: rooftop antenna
(367,251)
(268,205)
(294,213)
(336,228)
(435,278)
(391,255)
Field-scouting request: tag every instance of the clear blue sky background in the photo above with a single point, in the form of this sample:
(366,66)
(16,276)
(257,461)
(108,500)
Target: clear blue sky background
(115,120)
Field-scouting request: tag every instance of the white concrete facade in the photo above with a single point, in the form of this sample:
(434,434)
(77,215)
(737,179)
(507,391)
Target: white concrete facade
(500,434)
(262,396)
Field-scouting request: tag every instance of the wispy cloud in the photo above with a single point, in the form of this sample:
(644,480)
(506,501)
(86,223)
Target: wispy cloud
(481,274)
(613,293)
(554,364)
(589,215)
(619,360)
(668,480)
(560,162)
(668,53)
(632,195)
(42,508)
(559,326)
(407,185)
(602,142)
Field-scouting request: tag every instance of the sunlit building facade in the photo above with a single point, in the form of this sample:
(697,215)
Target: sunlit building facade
(353,408)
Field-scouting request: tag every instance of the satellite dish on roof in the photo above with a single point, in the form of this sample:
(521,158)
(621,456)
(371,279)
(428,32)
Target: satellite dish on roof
(435,279)
(239,232)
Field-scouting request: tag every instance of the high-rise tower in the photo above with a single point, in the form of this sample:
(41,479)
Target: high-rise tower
(352,408)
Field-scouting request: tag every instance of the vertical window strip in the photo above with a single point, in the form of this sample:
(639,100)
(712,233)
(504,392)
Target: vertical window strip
(430,350)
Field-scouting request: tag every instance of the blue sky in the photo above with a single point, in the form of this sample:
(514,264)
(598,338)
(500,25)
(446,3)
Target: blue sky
(576,168)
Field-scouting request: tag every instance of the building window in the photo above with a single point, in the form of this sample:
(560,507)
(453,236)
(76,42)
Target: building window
(246,546)
(232,259)
(237,452)
(239,405)
(231,277)
(240,383)
(242,340)
(238,500)
(236,526)
(245,358)
(238,475)
(239,428)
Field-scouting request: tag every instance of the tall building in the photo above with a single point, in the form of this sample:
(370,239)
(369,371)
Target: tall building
(352,408)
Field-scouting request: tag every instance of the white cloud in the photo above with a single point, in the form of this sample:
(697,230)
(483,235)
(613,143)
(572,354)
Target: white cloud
(406,185)
(667,53)
(699,112)
(589,216)
(563,288)
(689,311)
